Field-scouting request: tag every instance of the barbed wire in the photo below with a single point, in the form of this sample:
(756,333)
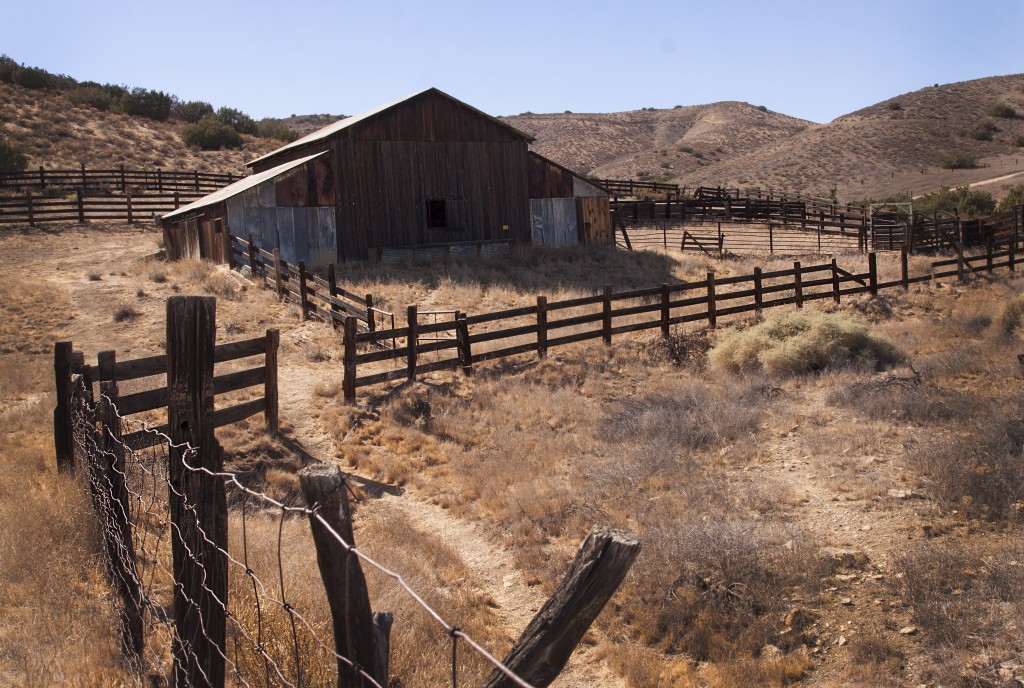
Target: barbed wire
(146,510)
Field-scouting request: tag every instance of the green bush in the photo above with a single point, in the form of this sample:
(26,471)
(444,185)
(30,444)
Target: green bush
(191,111)
(7,69)
(237,120)
(34,78)
(959,161)
(11,159)
(93,95)
(1001,110)
(271,128)
(141,102)
(1019,141)
(895,106)
(1013,199)
(980,132)
(967,202)
(210,133)
(1012,315)
(802,342)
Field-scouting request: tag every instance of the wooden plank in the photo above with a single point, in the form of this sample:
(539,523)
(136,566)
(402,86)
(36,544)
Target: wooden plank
(143,401)
(511,351)
(503,334)
(505,314)
(234,414)
(232,351)
(232,382)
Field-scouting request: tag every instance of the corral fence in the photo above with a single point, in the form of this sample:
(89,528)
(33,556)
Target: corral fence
(119,179)
(83,207)
(630,187)
(165,507)
(547,324)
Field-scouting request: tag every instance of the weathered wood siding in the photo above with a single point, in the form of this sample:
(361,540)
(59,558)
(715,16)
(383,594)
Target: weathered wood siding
(198,235)
(582,188)
(595,223)
(553,221)
(548,180)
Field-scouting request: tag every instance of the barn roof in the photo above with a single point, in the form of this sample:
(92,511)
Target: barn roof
(342,124)
(239,186)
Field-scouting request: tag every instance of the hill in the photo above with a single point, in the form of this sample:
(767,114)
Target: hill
(56,133)
(893,146)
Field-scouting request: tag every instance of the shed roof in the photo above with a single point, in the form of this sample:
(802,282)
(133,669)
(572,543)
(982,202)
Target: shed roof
(240,186)
(342,124)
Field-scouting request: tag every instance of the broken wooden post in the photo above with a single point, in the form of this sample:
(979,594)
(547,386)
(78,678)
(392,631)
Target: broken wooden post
(197,499)
(544,648)
(359,635)
(904,269)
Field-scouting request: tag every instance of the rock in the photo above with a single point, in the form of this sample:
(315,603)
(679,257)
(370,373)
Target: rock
(908,630)
(841,641)
(771,652)
(846,601)
(798,619)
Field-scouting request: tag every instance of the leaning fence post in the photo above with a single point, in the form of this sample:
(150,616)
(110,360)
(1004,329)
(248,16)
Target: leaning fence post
(606,315)
(270,413)
(197,500)
(63,433)
(28,202)
(411,341)
(542,326)
(960,273)
(544,648)
(349,383)
(358,633)
(117,530)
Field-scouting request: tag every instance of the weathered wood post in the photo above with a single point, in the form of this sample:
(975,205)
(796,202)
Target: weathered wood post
(117,531)
(606,315)
(63,424)
(988,253)
(270,413)
(960,269)
(82,164)
(81,207)
(835,281)
(1011,258)
(758,291)
(349,382)
(254,265)
(359,635)
(542,326)
(411,341)
(332,291)
(872,274)
(28,202)
(544,648)
(123,188)
(278,277)
(303,298)
(904,269)
(712,310)
(226,248)
(197,501)
(798,285)
(464,345)
(128,207)
(42,178)
(666,309)
(371,322)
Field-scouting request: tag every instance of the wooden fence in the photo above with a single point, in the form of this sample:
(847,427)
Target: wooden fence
(629,187)
(120,179)
(30,209)
(544,325)
(110,375)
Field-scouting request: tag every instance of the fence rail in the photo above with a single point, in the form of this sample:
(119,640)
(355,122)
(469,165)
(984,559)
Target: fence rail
(546,324)
(120,178)
(30,209)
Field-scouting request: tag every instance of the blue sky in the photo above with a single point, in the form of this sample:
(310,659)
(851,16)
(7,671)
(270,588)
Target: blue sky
(815,60)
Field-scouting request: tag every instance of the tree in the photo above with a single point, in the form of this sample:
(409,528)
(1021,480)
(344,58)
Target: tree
(210,133)
(237,120)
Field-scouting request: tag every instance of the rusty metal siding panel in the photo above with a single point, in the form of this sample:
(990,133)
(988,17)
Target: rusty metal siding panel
(553,221)
(291,190)
(595,224)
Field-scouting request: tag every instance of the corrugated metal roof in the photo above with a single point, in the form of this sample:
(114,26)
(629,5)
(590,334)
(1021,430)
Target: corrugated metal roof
(240,186)
(356,119)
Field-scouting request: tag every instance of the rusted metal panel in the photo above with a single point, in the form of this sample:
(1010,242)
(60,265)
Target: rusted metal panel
(595,223)
(553,221)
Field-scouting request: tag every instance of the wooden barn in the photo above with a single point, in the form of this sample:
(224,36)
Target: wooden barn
(421,173)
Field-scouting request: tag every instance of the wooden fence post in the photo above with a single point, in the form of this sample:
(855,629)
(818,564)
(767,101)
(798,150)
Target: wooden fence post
(712,314)
(123,188)
(371,322)
(128,202)
(332,291)
(1011,258)
(278,278)
(303,300)
(254,265)
(28,202)
(411,340)
(464,345)
(835,282)
(160,184)
(227,249)
(270,414)
(960,272)
(349,384)
(83,174)
(606,315)
(113,496)
(872,274)
(63,424)
(359,635)
(177,201)
(988,253)
(543,649)
(197,500)
(666,309)
(542,326)
(771,238)
(81,207)
(904,269)
(42,178)
(798,285)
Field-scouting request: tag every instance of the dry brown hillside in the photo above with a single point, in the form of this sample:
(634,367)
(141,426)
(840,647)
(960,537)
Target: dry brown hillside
(56,133)
(892,146)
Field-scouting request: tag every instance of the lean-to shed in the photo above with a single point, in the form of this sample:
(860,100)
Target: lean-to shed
(420,173)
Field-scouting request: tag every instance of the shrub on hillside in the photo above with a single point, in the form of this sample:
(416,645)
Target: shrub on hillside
(237,120)
(7,68)
(210,133)
(11,159)
(271,128)
(1019,141)
(34,78)
(191,111)
(93,95)
(959,161)
(895,106)
(1012,315)
(141,102)
(966,201)
(1013,199)
(980,132)
(1001,110)
(802,342)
